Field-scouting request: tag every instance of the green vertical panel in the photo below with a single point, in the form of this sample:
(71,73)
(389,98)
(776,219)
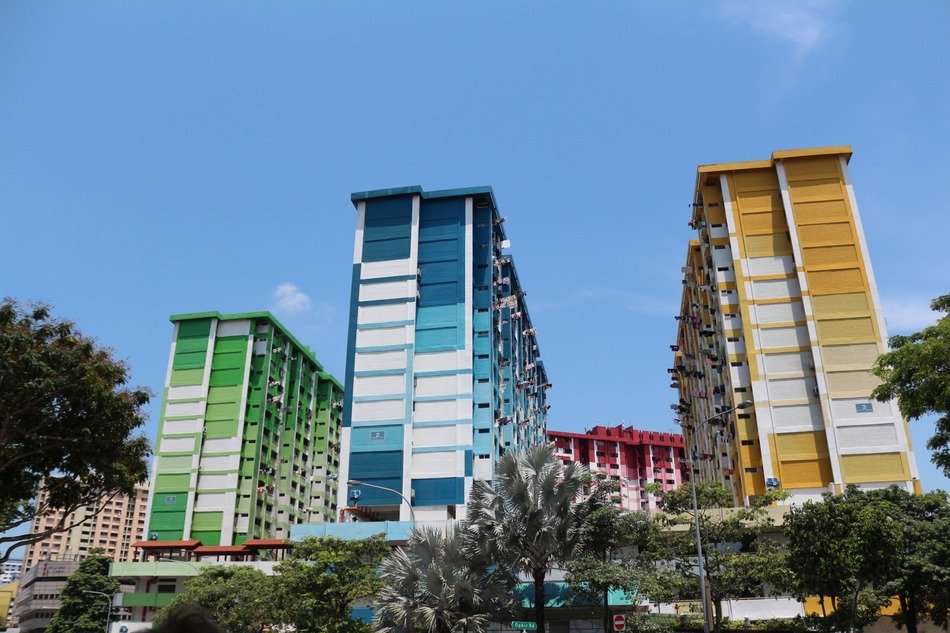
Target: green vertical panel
(167,518)
(192,344)
(227,364)
(182,377)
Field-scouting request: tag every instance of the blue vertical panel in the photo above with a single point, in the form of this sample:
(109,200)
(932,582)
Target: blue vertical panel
(442,274)
(351,349)
(387,229)
(440,491)
(381,468)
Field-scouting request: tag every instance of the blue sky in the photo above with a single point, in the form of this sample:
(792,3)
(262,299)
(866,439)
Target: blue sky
(158,158)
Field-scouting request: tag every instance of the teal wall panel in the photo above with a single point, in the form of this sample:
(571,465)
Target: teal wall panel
(377,438)
(387,229)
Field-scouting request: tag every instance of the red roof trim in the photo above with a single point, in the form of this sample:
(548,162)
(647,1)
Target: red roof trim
(220,549)
(266,543)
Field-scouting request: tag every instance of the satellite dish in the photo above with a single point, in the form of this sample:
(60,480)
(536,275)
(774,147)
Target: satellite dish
(153,536)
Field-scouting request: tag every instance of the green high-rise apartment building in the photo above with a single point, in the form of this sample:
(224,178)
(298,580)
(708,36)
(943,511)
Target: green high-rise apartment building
(248,441)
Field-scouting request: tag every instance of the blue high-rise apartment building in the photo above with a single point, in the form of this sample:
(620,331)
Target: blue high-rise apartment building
(443,371)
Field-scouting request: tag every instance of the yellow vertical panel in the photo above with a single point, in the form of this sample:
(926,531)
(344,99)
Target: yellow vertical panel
(824,255)
(759,201)
(873,468)
(750,455)
(832,233)
(826,282)
(847,382)
(801,445)
(812,190)
(767,245)
(746,429)
(755,180)
(831,305)
(767,222)
(844,329)
(820,211)
(806,473)
(860,354)
(714,208)
(818,167)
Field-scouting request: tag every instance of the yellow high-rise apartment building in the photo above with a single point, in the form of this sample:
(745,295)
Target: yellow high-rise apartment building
(780,308)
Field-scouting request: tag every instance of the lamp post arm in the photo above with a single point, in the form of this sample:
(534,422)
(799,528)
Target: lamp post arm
(412,514)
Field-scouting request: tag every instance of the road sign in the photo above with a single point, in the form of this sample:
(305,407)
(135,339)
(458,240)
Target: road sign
(620,622)
(521,625)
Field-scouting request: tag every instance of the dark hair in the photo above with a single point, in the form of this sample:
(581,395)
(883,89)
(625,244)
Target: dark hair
(186,618)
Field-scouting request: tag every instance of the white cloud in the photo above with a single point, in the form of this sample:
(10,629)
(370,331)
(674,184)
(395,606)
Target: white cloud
(290,300)
(804,24)
(908,315)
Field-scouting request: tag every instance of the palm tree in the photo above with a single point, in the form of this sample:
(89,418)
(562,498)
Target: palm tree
(439,583)
(529,519)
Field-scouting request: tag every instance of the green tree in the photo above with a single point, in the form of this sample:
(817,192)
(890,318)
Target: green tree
(917,372)
(84,612)
(842,549)
(920,573)
(441,582)
(66,422)
(611,547)
(318,584)
(529,519)
(239,597)
(736,556)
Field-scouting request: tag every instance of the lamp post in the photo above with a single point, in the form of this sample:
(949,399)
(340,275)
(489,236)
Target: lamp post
(111,599)
(745,404)
(412,515)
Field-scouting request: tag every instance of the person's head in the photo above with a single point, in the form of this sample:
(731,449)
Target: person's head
(186,618)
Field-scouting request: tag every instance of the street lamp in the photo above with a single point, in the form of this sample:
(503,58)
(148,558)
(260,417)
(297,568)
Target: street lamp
(745,404)
(111,599)
(412,515)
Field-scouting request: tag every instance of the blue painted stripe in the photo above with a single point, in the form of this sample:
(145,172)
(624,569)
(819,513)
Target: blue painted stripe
(441,449)
(443,372)
(383,280)
(449,396)
(386,302)
(380,372)
(383,324)
(388,396)
(377,348)
(361,423)
(433,423)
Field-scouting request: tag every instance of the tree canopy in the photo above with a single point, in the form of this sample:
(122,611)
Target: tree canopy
(67,420)
(311,592)
(842,549)
(917,372)
(82,611)
(317,586)
(736,560)
(239,598)
(613,548)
